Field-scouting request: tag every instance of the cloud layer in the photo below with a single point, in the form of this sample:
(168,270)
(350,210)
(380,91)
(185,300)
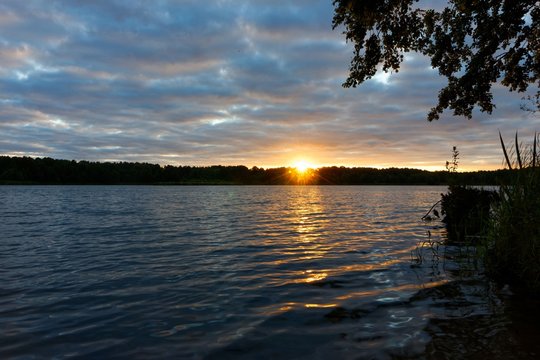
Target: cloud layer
(221,82)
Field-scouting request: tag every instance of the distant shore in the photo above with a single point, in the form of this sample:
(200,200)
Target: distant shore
(48,171)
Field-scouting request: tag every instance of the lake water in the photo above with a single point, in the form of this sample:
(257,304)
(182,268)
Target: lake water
(241,272)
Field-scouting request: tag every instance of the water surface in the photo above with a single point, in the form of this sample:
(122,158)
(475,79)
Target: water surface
(230,272)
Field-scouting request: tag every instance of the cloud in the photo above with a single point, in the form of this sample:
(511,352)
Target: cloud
(220,82)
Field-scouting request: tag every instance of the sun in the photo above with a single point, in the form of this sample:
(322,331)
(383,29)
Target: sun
(302,166)
(302,172)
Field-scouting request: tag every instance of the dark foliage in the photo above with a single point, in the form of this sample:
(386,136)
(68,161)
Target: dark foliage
(466,212)
(512,249)
(474,44)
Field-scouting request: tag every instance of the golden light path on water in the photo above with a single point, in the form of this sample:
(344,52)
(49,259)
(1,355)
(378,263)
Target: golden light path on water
(311,222)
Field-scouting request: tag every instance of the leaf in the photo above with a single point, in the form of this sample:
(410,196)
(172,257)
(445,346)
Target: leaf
(504,151)
(458,37)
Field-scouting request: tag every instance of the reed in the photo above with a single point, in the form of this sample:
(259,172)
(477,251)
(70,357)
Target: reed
(512,244)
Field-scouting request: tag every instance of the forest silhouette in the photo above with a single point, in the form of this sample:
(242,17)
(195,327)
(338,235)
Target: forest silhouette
(26,170)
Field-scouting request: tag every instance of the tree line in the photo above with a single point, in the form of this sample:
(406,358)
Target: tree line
(26,170)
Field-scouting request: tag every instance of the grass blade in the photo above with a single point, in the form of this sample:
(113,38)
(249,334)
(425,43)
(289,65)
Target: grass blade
(505,153)
(517,152)
(534,152)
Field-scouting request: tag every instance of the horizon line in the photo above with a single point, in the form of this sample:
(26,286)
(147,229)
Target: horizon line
(264,167)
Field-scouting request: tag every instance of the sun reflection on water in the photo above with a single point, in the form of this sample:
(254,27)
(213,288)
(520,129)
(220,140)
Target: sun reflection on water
(309,224)
(311,276)
(320,306)
(343,256)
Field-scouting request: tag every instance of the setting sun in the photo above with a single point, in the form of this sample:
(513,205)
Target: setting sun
(302,166)
(302,172)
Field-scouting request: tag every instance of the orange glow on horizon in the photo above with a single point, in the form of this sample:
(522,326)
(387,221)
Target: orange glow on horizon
(303,157)
(302,172)
(302,166)
(361,164)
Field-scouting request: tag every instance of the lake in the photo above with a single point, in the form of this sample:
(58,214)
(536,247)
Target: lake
(266,272)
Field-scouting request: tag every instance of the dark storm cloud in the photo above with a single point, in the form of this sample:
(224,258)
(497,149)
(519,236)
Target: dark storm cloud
(220,82)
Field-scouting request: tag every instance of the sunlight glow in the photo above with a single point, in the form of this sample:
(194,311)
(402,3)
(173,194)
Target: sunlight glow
(382,77)
(302,172)
(302,166)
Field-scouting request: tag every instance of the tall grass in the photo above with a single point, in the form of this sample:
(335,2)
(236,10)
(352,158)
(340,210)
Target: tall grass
(512,248)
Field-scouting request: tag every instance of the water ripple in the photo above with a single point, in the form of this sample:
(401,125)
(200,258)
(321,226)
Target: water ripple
(217,272)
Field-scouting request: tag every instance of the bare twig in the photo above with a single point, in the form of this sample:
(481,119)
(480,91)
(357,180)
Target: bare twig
(425,216)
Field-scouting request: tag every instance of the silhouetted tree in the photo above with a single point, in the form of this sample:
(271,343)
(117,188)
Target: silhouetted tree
(474,44)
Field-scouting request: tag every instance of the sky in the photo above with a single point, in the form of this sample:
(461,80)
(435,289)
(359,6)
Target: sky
(255,83)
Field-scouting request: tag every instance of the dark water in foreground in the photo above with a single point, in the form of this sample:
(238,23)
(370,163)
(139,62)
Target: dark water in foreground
(243,272)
